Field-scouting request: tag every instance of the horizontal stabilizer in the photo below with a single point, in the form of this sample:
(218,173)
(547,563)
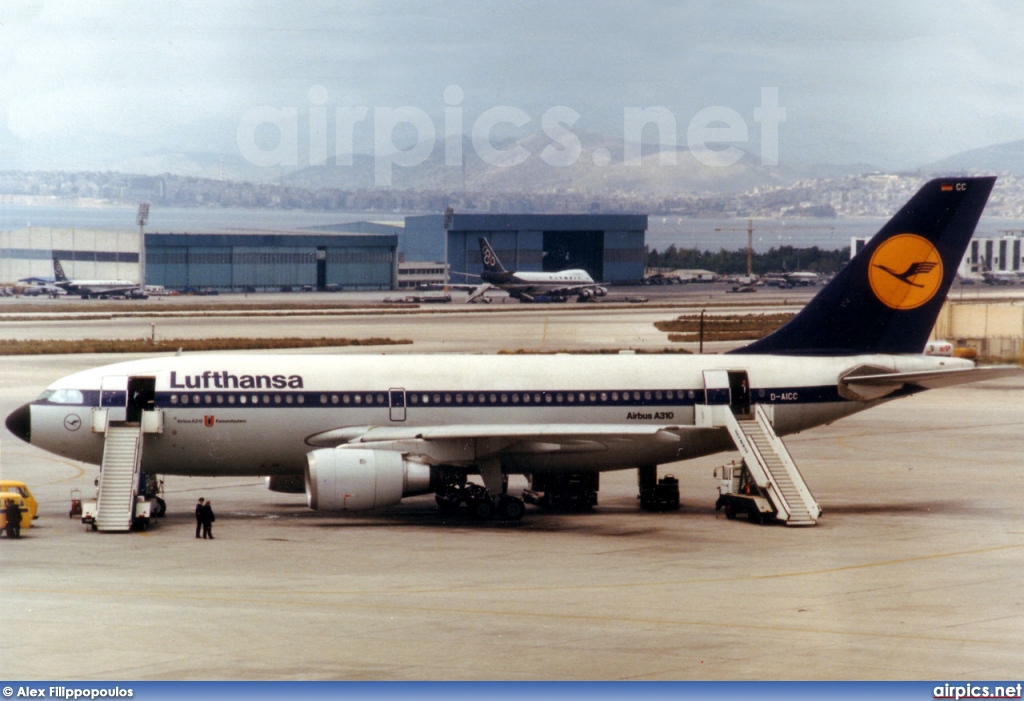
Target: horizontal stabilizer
(865,387)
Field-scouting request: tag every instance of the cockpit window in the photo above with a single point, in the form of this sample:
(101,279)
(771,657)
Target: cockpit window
(62,396)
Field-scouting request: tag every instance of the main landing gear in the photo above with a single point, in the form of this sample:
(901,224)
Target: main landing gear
(457,497)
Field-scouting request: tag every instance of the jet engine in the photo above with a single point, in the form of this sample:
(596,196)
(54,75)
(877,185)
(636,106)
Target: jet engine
(357,479)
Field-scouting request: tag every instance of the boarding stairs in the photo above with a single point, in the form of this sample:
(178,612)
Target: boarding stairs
(772,467)
(122,454)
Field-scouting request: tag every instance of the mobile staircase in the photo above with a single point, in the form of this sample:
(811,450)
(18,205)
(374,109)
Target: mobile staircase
(124,500)
(119,476)
(771,474)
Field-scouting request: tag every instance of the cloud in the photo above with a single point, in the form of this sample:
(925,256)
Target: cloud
(892,83)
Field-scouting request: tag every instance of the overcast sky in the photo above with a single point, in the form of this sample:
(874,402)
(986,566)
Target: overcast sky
(894,84)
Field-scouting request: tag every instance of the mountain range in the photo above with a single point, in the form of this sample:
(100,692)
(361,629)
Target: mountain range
(594,164)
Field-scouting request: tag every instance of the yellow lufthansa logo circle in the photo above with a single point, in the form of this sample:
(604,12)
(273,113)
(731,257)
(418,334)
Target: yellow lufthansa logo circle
(905,271)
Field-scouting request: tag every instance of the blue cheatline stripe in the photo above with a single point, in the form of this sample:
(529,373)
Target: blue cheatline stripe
(371,399)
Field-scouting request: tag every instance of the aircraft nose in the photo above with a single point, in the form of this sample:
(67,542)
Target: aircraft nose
(19,422)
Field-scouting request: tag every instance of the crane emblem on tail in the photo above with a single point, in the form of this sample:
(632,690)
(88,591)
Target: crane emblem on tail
(913,270)
(905,271)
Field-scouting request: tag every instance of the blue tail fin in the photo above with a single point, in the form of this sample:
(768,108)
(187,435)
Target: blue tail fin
(490,258)
(58,271)
(887,298)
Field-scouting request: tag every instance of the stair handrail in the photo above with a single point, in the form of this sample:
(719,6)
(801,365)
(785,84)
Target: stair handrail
(758,469)
(133,493)
(761,416)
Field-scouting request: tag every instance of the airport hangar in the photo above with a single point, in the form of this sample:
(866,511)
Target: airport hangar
(351,256)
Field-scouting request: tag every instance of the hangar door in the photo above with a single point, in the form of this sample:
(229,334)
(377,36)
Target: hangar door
(574,249)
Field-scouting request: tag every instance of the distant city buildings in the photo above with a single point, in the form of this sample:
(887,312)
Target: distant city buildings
(985,254)
(871,195)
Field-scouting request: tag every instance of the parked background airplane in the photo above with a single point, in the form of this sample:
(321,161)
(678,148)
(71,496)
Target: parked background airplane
(529,286)
(362,432)
(1002,277)
(94,288)
(797,279)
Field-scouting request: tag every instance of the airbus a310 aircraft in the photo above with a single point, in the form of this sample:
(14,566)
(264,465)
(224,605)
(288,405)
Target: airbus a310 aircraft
(362,432)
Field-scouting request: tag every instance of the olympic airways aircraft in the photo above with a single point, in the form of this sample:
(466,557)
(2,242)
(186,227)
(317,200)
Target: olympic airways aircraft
(528,286)
(93,288)
(362,432)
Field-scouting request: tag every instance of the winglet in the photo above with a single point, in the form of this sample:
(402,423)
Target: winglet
(887,298)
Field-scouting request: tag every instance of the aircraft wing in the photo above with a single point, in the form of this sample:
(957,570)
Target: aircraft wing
(876,385)
(472,442)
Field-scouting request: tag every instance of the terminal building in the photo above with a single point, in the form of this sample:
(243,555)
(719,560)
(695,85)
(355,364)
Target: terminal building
(271,261)
(985,254)
(237,261)
(353,256)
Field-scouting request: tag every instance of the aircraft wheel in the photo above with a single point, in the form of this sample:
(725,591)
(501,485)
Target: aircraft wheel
(482,509)
(512,509)
(447,507)
(159,508)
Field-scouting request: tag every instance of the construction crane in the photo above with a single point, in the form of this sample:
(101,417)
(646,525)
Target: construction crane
(750,237)
(750,244)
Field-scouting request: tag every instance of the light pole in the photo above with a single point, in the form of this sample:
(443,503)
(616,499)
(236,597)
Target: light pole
(446,222)
(142,219)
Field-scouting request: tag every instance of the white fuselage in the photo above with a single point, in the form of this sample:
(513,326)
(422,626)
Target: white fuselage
(260,414)
(564,282)
(98,287)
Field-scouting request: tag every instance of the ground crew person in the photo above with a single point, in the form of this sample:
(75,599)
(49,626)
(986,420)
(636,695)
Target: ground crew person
(13,513)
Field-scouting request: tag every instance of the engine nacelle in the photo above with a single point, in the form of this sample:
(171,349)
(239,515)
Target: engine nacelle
(289,484)
(359,479)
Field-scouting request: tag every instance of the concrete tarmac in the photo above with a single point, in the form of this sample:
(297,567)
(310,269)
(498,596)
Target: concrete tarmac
(912,573)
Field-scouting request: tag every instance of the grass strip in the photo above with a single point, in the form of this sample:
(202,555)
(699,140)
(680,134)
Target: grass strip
(139,345)
(728,327)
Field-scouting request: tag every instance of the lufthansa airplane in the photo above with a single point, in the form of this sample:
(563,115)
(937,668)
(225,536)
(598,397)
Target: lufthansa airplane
(528,286)
(93,288)
(362,432)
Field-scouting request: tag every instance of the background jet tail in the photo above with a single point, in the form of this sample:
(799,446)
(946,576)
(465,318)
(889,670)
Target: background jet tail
(887,298)
(489,257)
(58,271)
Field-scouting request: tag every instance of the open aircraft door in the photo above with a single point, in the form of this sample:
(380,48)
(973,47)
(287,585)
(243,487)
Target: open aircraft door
(716,387)
(114,397)
(724,390)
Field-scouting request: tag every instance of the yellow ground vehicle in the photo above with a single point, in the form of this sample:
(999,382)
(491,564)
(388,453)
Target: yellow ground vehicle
(26,521)
(26,494)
